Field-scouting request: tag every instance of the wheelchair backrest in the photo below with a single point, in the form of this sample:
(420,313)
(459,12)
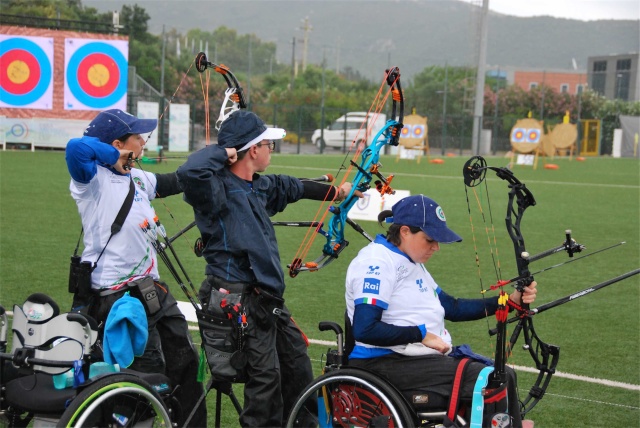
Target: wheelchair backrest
(3,329)
(59,337)
(349,340)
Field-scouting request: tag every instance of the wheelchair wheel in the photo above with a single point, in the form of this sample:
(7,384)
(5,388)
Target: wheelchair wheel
(116,401)
(352,397)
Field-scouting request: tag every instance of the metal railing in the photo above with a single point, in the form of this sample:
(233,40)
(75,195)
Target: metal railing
(57,24)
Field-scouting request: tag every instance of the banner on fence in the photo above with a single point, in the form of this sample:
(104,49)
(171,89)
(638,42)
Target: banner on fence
(41,132)
(149,110)
(179,128)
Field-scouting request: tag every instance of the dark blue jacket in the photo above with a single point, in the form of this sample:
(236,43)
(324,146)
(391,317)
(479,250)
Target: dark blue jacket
(233,217)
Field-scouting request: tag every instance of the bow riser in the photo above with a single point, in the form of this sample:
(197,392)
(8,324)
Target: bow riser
(362,182)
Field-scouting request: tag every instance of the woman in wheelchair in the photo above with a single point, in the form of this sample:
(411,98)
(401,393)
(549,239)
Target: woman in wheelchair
(398,311)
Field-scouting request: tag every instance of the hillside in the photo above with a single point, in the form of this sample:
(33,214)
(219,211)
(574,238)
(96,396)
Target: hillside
(370,35)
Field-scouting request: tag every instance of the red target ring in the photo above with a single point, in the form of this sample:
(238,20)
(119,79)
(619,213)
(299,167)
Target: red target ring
(22,72)
(98,75)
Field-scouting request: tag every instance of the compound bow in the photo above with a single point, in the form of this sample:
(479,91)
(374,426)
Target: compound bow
(368,167)
(544,355)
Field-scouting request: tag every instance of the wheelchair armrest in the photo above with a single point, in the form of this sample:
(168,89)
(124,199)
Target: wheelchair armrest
(77,317)
(330,325)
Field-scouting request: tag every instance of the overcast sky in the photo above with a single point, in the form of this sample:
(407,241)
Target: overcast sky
(586,10)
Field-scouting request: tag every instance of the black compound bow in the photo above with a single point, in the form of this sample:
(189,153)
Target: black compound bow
(545,356)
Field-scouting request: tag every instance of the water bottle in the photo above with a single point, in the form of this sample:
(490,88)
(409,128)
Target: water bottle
(100,368)
(63,380)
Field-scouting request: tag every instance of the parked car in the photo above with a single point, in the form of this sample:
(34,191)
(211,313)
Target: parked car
(344,130)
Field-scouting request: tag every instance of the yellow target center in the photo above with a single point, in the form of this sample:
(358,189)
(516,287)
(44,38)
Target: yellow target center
(18,72)
(98,75)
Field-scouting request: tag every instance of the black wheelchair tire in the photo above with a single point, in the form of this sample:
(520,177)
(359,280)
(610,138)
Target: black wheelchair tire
(95,405)
(387,401)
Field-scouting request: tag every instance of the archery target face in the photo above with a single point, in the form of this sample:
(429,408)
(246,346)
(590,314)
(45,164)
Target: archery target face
(406,131)
(526,135)
(418,131)
(96,74)
(533,136)
(517,135)
(26,72)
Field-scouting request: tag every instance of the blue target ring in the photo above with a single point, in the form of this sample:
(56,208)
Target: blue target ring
(72,75)
(19,130)
(45,72)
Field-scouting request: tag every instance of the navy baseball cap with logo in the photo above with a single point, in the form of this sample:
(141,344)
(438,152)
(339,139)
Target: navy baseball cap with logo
(243,129)
(425,213)
(112,124)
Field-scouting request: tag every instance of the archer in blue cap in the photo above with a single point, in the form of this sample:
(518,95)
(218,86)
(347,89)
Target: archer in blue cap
(106,186)
(110,125)
(244,129)
(425,213)
(233,201)
(398,310)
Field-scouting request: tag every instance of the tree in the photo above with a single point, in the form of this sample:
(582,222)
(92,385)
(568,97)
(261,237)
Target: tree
(134,20)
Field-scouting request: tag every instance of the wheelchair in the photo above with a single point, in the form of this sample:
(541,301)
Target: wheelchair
(349,396)
(46,344)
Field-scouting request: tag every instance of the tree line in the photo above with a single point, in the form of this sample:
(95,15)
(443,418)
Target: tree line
(267,82)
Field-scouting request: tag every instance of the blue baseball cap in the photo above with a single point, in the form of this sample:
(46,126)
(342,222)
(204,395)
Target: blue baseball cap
(110,125)
(425,213)
(243,129)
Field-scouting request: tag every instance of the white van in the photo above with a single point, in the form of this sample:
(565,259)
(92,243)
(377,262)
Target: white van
(345,129)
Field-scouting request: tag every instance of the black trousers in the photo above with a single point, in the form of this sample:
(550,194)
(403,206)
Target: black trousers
(435,374)
(278,366)
(169,350)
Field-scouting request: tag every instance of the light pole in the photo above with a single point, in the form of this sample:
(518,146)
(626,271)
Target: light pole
(444,107)
(495,114)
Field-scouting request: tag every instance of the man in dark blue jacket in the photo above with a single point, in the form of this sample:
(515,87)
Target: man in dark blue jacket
(233,204)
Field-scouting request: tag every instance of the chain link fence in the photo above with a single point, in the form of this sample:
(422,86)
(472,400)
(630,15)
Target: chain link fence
(446,133)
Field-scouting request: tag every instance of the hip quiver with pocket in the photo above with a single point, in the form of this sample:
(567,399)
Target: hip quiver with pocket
(222,325)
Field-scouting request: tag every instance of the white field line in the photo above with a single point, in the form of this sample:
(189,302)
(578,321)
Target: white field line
(402,174)
(605,382)
(594,401)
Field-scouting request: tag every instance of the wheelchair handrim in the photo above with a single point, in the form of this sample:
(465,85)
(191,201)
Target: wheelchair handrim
(114,389)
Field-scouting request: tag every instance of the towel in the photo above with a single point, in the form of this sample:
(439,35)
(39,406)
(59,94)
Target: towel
(126,331)
(464,351)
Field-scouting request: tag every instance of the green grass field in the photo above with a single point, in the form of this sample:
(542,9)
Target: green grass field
(599,200)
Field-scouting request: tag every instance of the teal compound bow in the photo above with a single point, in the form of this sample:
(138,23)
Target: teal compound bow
(366,170)
(544,355)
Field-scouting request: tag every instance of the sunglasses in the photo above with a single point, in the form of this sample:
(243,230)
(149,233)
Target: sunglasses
(271,144)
